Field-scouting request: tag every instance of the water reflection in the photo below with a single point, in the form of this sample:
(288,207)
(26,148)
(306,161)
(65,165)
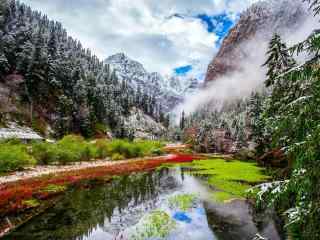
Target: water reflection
(107,208)
(236,221)
(100,211)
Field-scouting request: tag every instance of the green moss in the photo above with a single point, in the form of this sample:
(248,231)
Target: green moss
(234,188)
(230,170)
(158,224)
(222,197)
(230,178)
(182,201)
(52,188)
(31,203)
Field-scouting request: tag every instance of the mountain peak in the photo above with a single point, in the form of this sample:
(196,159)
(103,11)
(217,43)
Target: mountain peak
(170,90)
(259,21)
(120,55)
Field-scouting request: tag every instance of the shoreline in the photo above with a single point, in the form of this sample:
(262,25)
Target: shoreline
(41,171)
(37,186)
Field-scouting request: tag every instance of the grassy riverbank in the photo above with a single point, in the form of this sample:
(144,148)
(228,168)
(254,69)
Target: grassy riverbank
(15,155)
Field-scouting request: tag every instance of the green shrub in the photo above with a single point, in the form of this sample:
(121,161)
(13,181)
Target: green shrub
(74,148)
(14,157)
(150,147)
(11,141)
(117,156)
(134,149)
(44,153)
(123,147)
(101,146)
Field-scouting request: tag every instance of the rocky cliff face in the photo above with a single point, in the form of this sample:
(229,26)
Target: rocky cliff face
(170,90)
(260,21)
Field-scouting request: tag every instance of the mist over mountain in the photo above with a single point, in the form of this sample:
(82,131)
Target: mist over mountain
(236,70)
(257,25)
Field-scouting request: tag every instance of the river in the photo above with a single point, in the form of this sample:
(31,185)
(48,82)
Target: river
(168,203)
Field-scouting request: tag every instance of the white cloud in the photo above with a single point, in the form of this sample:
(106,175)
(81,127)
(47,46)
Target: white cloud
(251,74)
(143,29)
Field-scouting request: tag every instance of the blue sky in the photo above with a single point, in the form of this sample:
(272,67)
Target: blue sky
(183,70)
(171,36)
(219,24)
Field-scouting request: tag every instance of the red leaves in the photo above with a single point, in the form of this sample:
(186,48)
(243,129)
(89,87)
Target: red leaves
(13,194)
(182,158)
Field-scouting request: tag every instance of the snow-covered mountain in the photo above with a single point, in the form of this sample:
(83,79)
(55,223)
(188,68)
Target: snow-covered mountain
(170,90)
(260,21)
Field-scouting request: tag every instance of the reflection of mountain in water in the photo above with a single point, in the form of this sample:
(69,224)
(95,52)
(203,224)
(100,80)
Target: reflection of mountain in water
(99,211)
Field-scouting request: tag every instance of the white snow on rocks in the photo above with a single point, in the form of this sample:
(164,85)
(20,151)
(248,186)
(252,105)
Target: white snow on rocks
(170,90)
(143,126)
(16,131)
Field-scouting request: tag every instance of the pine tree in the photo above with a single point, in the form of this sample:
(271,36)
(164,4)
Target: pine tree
(167,121)
(283,89)
(182,121)
(294,128)
(314,5)
(256,108)
(58,71)
(278,61)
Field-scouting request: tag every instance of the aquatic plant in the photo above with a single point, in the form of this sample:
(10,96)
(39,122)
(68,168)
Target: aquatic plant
(182,202)
(231,178)
(31,203)
(233,170)
(222,197)
(52,188)
(157,224)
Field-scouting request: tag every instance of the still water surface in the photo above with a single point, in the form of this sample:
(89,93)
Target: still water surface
(116,210)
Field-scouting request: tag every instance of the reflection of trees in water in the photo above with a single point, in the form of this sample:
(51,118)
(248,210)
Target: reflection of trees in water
(83,210)
(236,221)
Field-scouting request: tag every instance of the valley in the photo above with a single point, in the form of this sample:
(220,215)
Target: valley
(177,120)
